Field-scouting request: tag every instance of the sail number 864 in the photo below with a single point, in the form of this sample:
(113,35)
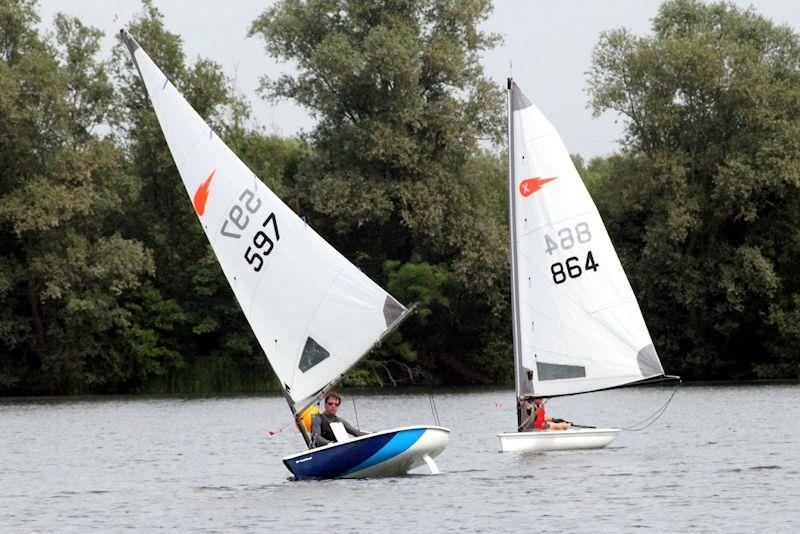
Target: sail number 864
(572,268)
(565,240)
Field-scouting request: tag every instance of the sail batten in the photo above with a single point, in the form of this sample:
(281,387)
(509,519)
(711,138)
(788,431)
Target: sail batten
(313,312)
(583,330)
(521,235)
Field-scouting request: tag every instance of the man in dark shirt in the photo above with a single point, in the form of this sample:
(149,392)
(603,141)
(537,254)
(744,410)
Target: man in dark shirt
(321,432)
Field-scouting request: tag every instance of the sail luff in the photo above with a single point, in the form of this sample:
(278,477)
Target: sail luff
(519,371)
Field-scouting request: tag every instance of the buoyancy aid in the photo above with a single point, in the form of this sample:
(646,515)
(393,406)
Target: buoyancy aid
(539,421)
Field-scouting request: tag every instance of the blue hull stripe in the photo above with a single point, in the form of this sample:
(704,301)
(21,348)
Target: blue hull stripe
(332,463)
(351,457)
(400,443)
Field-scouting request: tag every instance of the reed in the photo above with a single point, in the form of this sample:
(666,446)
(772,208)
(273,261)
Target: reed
(214,375)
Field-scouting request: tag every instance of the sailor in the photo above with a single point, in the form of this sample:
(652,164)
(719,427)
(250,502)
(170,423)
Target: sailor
(536,417)
(321,432)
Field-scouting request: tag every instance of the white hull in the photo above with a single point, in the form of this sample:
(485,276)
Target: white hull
(557,440)
(431,444)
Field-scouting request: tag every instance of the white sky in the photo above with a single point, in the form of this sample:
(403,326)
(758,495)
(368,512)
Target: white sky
(548,43)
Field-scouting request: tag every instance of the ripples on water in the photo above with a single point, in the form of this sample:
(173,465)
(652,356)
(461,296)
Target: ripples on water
(721,459)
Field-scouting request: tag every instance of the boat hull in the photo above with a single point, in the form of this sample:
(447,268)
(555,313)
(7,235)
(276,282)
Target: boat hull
(557,440)
(387,453)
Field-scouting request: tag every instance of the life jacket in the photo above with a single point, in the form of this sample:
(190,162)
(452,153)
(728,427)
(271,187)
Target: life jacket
(307,417)
(539,420)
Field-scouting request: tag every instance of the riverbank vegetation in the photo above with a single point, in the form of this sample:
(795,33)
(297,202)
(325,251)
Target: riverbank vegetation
(108,284)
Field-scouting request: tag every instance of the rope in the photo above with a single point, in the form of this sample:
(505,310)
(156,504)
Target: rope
(526,421)
(280,430)
(433,409)
(647,421)
(356,411)
(531,417)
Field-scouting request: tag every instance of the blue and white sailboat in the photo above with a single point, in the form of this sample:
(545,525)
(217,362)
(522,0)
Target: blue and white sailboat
(314,313)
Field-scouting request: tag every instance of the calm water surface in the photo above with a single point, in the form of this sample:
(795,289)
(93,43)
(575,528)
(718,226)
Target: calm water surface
(721,459)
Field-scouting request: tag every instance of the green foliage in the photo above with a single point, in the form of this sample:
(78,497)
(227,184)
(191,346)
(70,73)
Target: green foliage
(702,204)
(215,373)
(421,283)
(402,105)
(87,219)
(188,281)
(152,343)
(66,269)
(107,282)
(426,286)
(396,173)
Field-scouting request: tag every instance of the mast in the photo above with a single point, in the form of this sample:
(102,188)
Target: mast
(519,371)
(297,419)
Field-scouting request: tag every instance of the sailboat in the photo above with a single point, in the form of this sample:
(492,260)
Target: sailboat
(576,323)
(315,314)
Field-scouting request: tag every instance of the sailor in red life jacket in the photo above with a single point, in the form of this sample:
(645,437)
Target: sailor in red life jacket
(537,420)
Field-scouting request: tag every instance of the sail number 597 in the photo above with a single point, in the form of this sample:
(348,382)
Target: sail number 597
(262,242)
(255,256)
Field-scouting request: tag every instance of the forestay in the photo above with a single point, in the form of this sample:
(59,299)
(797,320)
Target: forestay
(313,312)
(578,326)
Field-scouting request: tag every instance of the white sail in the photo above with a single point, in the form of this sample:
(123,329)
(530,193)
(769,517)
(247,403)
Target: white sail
(577,324)
(314,313)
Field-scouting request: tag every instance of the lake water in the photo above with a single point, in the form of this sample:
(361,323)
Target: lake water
(721,459)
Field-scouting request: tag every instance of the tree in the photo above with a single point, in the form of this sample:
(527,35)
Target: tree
(703,201)
(397,173)
(65,270)
(191,333)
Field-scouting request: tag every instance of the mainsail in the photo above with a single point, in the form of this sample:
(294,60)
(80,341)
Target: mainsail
(577,324)
(314,313)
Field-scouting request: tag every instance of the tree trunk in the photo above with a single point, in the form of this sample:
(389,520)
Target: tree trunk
(39,349)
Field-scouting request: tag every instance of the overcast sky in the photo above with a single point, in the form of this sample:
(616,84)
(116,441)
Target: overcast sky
(548,46)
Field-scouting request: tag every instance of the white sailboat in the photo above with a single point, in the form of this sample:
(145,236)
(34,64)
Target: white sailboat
(577,324)
(314,313)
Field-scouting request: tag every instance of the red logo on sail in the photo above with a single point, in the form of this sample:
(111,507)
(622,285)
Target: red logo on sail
(531,185)
(201,195)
